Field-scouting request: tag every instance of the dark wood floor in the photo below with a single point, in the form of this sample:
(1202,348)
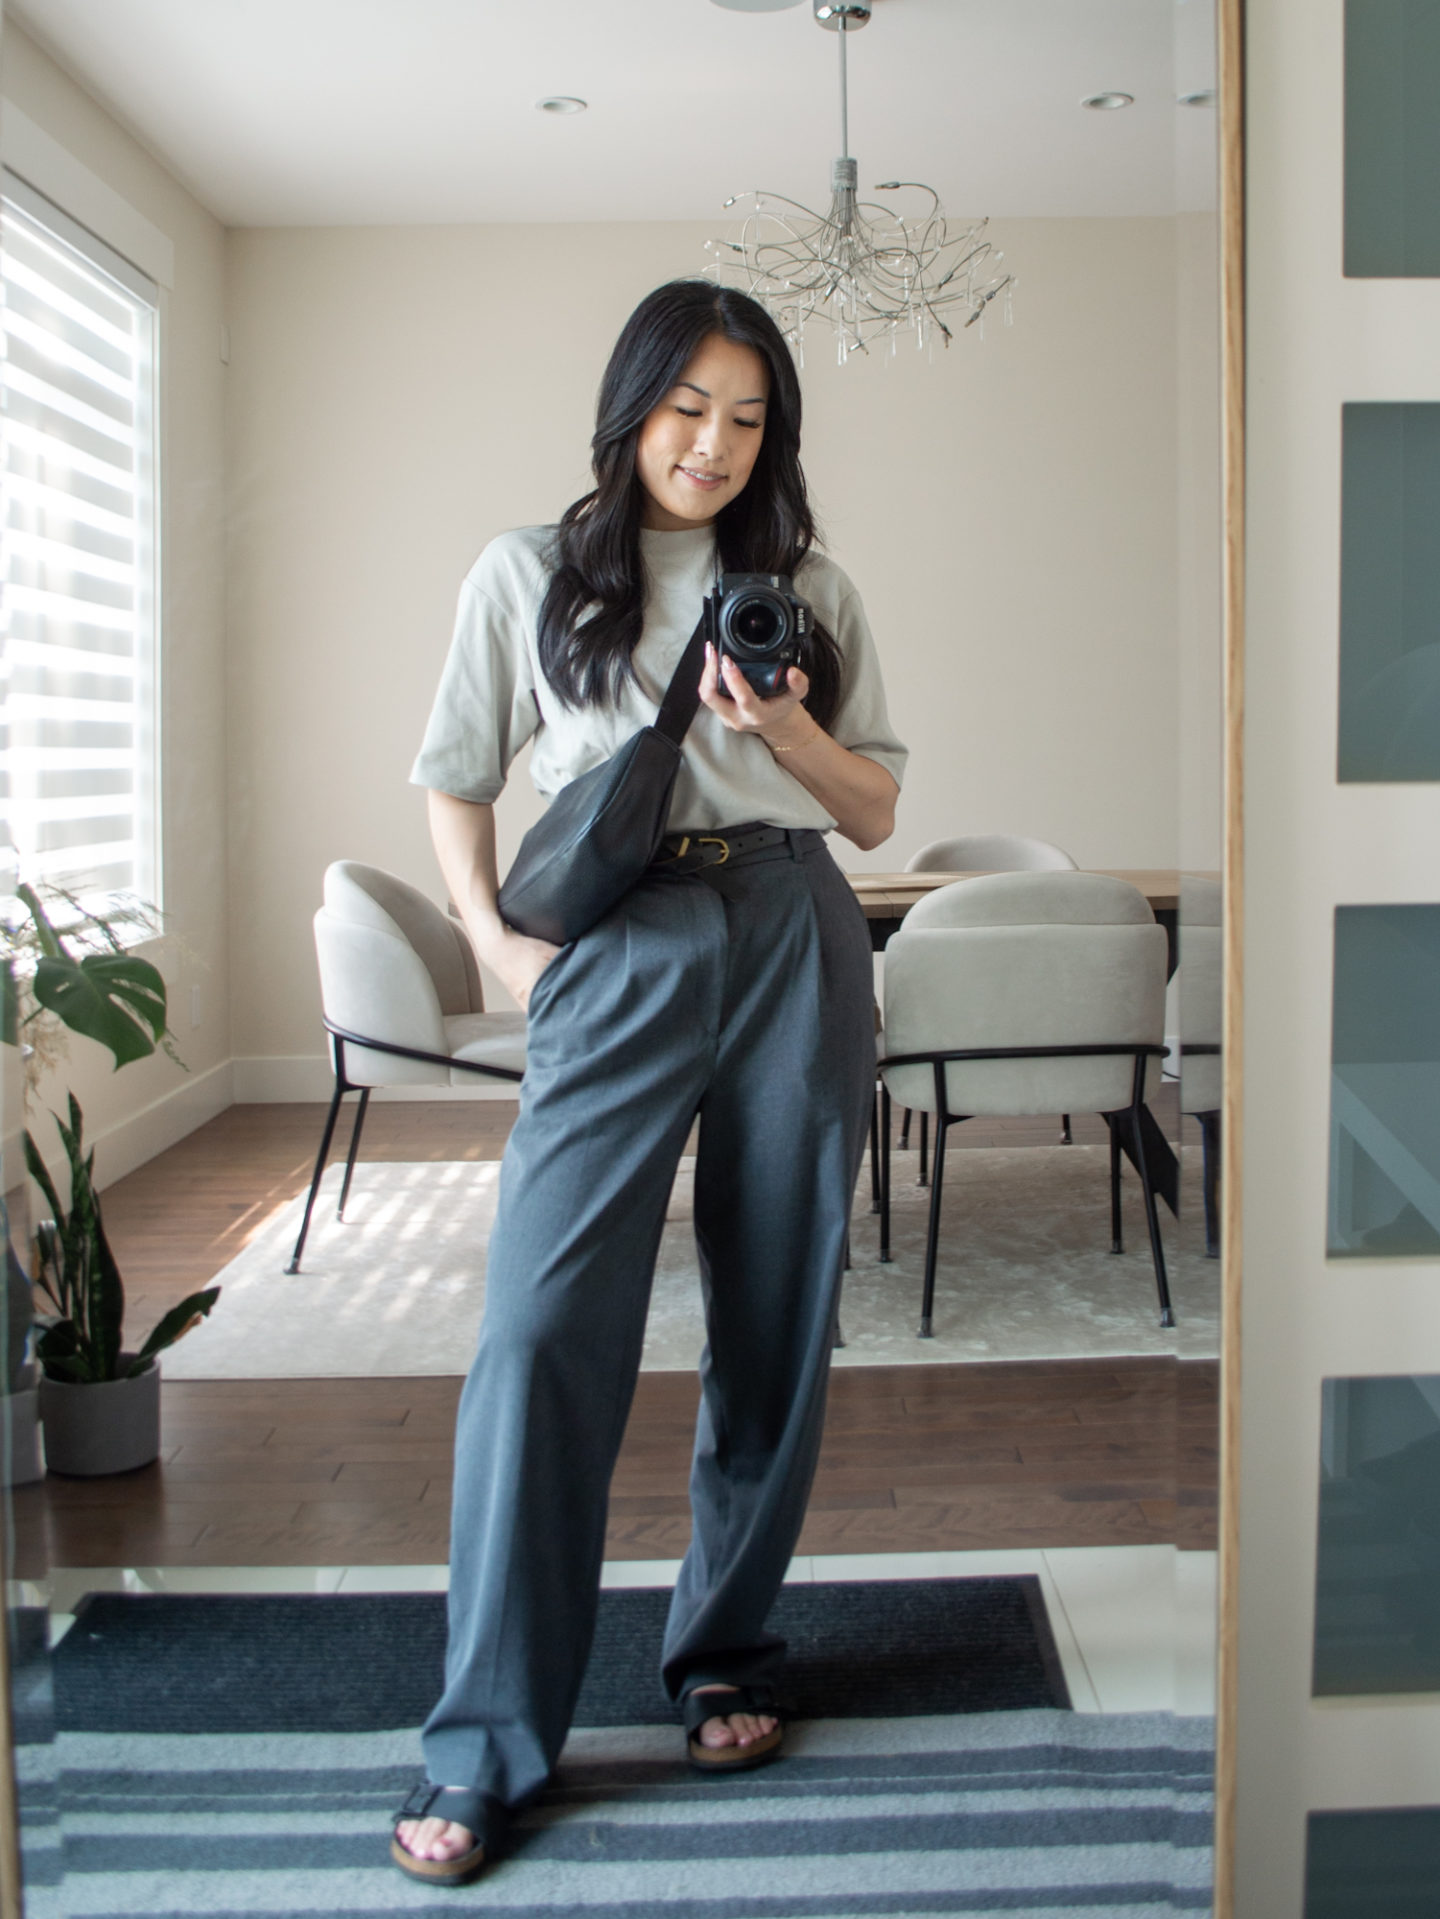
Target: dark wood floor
(916,1458)
(357,1472)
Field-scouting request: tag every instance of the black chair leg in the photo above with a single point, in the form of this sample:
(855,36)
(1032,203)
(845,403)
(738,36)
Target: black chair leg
(360,1112)
(874,1153)
(905,1129)
(1152,1219)
(1067,1138)
(1117,1235)
(932,1241)
(884,1176)
(924,1179)
(320,1159)
(1210,1180)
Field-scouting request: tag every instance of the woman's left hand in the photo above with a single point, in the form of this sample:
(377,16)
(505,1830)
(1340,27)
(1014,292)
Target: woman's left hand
(780,722)
(857,793)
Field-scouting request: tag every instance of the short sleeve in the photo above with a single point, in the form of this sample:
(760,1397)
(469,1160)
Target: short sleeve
(862,723)
(485,706)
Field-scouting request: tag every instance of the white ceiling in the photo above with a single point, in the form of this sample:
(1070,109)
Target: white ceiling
(378,112)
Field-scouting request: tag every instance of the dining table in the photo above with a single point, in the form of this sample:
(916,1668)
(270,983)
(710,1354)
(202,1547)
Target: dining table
(885,899)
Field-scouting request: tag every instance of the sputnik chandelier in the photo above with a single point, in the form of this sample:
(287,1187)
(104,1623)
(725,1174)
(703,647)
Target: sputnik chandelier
(862,268)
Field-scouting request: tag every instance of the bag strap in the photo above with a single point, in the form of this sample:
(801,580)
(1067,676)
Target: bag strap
(682,696)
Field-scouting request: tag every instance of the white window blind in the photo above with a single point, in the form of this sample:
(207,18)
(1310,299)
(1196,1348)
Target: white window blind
(79,745)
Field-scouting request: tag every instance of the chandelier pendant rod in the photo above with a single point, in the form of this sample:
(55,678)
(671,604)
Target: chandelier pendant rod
(844,95)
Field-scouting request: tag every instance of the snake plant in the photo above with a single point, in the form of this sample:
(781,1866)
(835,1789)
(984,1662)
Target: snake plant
(77,1274)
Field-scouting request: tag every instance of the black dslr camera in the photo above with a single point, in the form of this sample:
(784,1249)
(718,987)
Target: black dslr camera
(759,620)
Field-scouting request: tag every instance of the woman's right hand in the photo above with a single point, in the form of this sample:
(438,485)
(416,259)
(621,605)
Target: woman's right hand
(464,835)
(515,959)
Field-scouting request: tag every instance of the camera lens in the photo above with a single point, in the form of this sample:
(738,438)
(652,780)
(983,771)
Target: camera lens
(757,624)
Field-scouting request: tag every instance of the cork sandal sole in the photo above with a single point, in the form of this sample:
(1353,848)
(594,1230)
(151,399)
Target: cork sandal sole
(703,1705)
(479,1814)
(439,1872)
(736,1758)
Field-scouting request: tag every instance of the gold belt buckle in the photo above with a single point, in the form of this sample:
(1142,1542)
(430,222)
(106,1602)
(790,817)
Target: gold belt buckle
(711,839)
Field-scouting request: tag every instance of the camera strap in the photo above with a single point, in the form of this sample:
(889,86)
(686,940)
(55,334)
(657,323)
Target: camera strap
(682,696)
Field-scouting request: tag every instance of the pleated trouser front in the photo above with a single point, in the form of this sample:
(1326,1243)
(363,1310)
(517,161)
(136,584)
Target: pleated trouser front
(743,995)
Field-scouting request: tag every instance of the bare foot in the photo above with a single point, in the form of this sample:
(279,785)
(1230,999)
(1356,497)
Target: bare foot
(736,1728)
(439,1839)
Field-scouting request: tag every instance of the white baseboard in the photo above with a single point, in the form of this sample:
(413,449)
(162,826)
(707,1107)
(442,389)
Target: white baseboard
(306,1077)
(130,1142)
(301,1078)
(164,1122)
(120,1148)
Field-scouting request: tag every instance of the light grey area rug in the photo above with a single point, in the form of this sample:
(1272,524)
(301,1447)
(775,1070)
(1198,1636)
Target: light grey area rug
(1031,1813)
(1025,1273)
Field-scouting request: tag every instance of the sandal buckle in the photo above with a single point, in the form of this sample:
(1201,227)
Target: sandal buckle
(421,1798)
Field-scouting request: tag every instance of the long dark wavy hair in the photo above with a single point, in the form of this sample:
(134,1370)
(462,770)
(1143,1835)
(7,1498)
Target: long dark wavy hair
(594,610)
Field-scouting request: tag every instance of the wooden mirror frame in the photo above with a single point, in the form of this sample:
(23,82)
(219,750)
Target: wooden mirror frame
(1230,24)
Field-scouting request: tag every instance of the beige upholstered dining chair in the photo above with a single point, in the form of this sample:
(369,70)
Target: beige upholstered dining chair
(1201,999)
(1023,993)
(402,1002)
(990,853)
(984,853)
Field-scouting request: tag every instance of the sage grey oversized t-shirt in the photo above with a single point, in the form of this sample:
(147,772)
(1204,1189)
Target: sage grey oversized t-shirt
(493,696)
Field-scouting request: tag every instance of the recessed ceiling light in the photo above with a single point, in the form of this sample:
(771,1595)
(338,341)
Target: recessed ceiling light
(562,103)
(1204,98)
(1109,102)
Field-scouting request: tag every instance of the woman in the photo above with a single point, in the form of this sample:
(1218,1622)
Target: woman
(732,984)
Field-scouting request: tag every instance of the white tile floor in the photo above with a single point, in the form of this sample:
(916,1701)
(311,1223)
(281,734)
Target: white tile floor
(1134,1625)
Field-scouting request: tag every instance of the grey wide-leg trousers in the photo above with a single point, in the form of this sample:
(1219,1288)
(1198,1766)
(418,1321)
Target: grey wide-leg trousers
(743,995)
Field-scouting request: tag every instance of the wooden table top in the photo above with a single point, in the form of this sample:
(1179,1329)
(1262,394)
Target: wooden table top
(887,896)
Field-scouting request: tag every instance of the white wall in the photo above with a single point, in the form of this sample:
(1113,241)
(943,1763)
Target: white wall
(1198,537)
(397,396)
(69,147)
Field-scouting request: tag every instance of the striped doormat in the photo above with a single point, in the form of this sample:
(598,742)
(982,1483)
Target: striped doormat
(1039,1813)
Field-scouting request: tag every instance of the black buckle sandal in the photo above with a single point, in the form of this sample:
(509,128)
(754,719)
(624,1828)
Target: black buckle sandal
(703,1705)
(478,1812)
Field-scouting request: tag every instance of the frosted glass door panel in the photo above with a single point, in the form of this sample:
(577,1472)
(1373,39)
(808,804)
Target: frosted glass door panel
(1377,1571)
(1385,1083)
(1372,1865)
(1390,591)
(1392,139)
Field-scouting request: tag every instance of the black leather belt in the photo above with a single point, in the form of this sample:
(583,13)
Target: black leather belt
(734,846)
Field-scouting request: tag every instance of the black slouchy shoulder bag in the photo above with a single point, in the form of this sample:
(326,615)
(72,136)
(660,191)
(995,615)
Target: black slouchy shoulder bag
(599,833)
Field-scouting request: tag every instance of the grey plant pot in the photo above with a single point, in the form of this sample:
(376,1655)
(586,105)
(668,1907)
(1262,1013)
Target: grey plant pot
(112,1428)
(20,1437)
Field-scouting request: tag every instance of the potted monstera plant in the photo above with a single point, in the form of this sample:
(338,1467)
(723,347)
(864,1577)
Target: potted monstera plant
(99,1403)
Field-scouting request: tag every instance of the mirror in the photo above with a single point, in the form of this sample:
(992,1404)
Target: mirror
(359,396)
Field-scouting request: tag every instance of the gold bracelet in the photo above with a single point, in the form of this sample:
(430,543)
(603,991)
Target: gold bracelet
(819,729)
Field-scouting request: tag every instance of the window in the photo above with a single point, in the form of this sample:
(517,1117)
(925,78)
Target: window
(78,707)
